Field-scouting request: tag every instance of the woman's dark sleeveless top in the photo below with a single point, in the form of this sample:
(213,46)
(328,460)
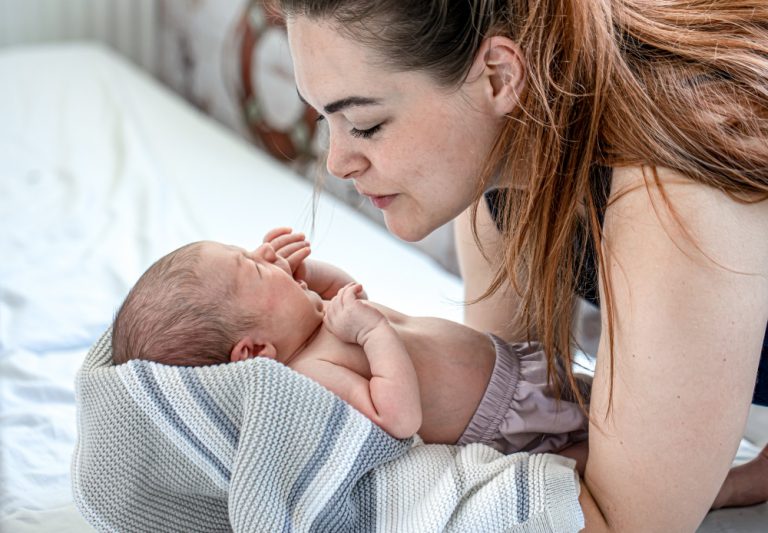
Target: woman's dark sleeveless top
(586,283)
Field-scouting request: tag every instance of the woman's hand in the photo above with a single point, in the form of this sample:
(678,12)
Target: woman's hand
(746,484)
(322,278)
(350,319)
(579,453)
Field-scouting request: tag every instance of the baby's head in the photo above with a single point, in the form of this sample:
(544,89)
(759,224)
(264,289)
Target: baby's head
(208,303)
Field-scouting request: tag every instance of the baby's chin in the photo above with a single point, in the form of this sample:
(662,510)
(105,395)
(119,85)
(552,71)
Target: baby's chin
(319,303)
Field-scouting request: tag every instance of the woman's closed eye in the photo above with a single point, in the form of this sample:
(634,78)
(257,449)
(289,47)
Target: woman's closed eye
(365,134)
(358,133)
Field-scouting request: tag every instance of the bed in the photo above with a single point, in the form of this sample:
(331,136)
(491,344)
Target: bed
(101,172)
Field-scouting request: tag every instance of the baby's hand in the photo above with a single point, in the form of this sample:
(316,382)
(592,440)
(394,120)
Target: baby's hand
(349,318)
(292,247)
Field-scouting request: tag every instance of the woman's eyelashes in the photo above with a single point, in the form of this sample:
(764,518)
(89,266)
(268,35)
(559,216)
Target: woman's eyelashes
(357,133)
(365,134)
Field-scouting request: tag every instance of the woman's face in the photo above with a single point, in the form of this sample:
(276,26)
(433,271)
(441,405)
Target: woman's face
(416,150)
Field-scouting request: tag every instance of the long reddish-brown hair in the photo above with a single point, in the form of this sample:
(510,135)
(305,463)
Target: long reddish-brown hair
(681,84)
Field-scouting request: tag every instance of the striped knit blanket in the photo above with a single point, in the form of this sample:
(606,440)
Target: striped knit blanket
(255,446)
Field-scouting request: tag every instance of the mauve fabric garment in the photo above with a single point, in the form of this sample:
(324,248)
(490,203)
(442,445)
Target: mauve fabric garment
(519,411)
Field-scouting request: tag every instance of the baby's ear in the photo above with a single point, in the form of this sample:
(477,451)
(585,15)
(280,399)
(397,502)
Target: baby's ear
(267,350)
(244,349)
(247,348)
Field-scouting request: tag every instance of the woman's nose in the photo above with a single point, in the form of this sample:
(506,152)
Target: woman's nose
(343,161)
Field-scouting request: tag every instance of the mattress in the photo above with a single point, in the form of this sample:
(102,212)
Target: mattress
(102,171)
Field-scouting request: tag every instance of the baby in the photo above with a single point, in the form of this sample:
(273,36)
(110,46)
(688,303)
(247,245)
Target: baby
(209,303)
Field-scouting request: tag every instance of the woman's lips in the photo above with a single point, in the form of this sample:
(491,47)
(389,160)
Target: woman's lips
(382,202)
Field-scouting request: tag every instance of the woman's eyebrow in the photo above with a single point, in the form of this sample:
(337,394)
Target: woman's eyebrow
(344,103)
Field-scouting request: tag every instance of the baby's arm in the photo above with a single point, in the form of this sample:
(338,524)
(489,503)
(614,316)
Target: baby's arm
(393,401)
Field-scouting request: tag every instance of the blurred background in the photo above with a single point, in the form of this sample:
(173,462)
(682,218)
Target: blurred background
(228,58)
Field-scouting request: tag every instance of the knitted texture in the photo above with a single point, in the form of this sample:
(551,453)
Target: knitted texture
(254,446)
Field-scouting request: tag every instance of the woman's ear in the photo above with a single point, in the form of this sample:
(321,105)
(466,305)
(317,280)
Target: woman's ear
(499,68)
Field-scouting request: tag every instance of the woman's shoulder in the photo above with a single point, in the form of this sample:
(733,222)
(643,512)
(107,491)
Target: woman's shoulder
(692,214)
(676,244)
(624,179)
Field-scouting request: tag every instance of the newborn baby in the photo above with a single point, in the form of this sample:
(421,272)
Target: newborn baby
(209,303)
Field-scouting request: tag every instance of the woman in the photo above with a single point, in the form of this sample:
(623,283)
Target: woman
(570,137)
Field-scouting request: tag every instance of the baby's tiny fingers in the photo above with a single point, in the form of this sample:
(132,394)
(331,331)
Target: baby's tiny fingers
(348,287)
(351,291)
(296,258)
(288,249)
(284,241)
(276,232)
(344,294)
(335,306)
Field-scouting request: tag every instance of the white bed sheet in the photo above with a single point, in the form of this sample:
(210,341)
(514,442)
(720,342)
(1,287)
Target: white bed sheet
(101,172)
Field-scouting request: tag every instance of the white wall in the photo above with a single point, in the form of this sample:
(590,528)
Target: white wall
(129,26)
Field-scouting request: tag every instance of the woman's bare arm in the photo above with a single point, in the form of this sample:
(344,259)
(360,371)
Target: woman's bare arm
(688,340)
(497,313)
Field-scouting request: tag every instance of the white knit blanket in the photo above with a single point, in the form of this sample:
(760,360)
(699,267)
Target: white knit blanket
(255,446)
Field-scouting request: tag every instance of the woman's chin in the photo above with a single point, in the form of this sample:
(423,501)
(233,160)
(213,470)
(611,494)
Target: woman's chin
(407,230)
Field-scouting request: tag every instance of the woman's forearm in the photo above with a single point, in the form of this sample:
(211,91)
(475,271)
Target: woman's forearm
(497,313)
